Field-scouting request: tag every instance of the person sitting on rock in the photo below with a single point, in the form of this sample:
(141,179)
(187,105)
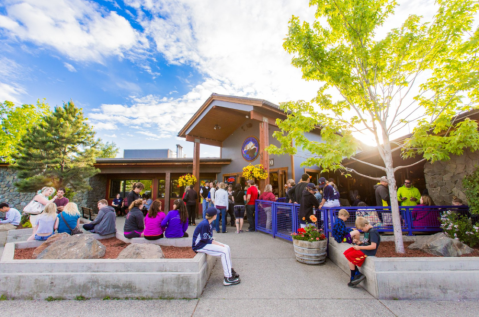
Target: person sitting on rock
(153,229)
(69,217)
(13,215)
(43,227)
(134,223)
(105,222)
(176,221)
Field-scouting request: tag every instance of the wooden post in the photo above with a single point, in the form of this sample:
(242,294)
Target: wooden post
(154,189)
(167,191)
(196,169)
(263,154)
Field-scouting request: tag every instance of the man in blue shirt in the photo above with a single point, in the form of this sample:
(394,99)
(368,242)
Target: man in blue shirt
(203,242)
(13,216)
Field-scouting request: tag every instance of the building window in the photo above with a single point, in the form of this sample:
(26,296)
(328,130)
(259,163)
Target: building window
(161,188)
(124,186)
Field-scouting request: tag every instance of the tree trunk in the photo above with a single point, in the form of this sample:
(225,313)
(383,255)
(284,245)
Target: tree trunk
(394,200)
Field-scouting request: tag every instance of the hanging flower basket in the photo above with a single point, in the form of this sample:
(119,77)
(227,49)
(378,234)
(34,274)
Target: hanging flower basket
(310,244)
(186,180)
(255,172)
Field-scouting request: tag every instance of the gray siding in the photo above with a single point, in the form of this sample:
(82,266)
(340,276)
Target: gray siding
(232,150)
(302,156)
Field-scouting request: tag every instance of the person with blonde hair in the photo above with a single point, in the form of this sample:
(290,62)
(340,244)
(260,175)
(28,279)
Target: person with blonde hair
(267,195)
(69,217)
(134,222)
(105,221)
(43,227)
(221,203)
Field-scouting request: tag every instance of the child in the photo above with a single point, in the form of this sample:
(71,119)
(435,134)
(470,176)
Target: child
(203,242)
(340,232)
(358,253)
(176,221)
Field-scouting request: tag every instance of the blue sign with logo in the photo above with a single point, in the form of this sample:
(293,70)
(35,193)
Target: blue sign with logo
(250,148)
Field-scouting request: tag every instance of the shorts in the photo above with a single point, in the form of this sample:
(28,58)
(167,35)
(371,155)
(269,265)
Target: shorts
(42,238)
(347,238)
(357,257)
(239,211)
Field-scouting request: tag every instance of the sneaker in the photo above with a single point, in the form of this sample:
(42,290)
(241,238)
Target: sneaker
(237,231)
(250,230)
(350,284)
(358,278)
(230,281)
(241,231)
(225,231)
(234,274)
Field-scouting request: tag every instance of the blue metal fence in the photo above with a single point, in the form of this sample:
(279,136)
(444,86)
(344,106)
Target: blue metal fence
(281,219)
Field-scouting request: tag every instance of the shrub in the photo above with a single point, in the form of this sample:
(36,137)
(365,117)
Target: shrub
(460,228)
(471,186)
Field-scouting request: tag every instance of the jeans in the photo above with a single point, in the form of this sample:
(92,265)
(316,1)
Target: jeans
(267,211)
(231,208)
(205,206)
(223,220)
(191,213)
(250,213)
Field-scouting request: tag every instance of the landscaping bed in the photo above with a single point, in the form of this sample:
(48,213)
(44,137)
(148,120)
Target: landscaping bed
(113,247)
(387,249)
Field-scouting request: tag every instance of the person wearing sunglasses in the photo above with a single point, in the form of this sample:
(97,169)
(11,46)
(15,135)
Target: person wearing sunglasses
(408,195)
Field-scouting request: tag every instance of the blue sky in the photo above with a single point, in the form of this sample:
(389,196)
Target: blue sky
(141,68)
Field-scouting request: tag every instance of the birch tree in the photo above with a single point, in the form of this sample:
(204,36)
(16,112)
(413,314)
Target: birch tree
(420,74)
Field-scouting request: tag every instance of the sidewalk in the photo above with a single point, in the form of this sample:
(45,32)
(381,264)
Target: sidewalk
(273,284)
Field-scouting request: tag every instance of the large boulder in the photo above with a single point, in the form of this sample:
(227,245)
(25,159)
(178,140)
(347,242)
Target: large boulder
(81,246)
(141,251)
(54,238)
(442,245)
(7,227)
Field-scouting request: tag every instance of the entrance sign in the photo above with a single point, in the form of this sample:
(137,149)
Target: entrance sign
(250,148)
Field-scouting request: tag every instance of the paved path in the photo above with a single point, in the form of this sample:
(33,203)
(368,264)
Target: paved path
(273,284)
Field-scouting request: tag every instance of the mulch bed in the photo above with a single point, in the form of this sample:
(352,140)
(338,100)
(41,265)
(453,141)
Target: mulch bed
(114,247)
(388,250)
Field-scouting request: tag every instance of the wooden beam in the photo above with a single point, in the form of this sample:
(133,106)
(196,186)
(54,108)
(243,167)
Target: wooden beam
(154,189)
(192,138)
(167,191)
(263,154)
(196,171)
(255,115)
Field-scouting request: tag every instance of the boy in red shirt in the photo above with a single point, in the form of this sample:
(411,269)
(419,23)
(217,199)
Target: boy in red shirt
(251,196)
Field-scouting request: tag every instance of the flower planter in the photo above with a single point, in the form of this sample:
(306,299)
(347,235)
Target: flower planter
(313,253)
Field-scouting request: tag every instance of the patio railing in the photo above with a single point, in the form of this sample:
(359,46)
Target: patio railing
(281,219)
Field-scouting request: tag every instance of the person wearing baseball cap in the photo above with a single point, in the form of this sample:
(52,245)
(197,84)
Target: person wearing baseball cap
(322,182)
(308,205)
(203,242)
(382,192)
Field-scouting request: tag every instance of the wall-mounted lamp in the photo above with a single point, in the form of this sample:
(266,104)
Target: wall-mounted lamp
(217,127)
(246,117)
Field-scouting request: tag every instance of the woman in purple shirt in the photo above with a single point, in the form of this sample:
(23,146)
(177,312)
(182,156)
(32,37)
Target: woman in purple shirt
(176,221)
(153,229)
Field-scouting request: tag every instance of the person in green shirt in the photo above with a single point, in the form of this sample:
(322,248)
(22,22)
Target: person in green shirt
(408,195)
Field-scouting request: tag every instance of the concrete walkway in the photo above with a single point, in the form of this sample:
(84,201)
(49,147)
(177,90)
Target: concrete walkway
(273,284)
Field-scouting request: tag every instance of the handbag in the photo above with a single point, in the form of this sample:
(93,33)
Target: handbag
(75,230)
(34,208)
(185,199)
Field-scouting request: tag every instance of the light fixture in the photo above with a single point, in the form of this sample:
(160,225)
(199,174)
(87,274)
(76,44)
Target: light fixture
(217,127)
(246,117)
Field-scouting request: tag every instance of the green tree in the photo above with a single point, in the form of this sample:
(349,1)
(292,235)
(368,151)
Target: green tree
(107,150)
(422,74)
(15,122)
(58,151)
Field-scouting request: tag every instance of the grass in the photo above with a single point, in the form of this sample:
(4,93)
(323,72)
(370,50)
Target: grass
(81,297)
(52,299)
(3,297)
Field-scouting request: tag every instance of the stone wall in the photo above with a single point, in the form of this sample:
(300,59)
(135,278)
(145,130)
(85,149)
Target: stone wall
(8,193)
(444,179)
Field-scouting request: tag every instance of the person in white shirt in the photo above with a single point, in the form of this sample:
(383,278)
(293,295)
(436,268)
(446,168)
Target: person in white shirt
(13,216)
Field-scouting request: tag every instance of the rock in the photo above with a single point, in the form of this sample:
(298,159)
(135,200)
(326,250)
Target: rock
(80,246)
(54,238)
(7,227)
(442,245)
(141,251)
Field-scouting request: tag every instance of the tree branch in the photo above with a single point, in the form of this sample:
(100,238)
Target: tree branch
(366,163)
(349,170)
(400,167)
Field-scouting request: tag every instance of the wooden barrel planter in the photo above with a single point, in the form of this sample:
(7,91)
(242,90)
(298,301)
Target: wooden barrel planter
(313,253)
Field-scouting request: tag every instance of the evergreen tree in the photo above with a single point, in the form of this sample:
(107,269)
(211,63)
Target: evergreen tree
(107,150)
(59,151)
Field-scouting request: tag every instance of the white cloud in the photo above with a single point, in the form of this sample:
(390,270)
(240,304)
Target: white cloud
(79,29)
(70,67)
(104,126)
(111,135)
(10,92)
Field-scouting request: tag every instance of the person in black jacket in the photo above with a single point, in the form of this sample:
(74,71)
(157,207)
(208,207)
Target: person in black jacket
(308,203)
(134,222)
(190,198)
(204,193)
(134,194)
(296,193)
